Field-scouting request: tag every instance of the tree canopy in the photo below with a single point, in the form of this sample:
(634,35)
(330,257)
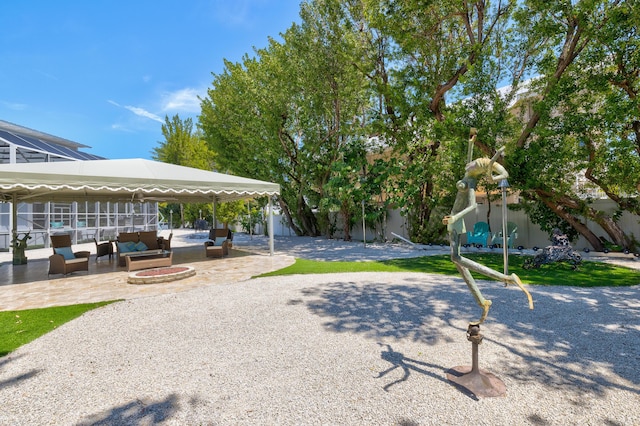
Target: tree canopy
(372,100)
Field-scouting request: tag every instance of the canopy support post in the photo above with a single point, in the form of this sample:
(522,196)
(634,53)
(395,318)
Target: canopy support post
(14,220)
(270,224)
(214,205)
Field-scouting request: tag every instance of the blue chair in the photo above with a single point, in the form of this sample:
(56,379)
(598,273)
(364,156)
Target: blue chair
(480,234)
(512,235)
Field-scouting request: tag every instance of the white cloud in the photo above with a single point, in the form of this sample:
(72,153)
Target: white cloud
(232,13)
(144,113)
(183,100)
(120,127)
(13,105)
(141,112)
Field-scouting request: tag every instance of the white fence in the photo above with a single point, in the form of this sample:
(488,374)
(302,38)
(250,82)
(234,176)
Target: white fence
(529,234)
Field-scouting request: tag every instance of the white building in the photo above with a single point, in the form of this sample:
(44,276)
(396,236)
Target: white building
(82,220)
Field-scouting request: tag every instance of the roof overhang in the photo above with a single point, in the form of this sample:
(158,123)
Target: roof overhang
(124,180)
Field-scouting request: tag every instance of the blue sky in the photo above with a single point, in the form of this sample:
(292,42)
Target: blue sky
(106,73)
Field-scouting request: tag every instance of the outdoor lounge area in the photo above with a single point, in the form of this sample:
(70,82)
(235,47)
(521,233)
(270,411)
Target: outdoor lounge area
(29,286)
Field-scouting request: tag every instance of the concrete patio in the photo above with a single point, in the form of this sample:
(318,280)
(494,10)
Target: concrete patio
(28,286)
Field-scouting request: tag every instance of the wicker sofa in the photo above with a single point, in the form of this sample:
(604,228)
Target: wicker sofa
(137,242)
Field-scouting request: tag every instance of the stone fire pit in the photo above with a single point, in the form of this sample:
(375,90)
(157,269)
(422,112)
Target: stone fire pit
(161,275)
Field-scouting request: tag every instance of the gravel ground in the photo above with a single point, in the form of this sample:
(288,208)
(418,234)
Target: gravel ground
(340,349)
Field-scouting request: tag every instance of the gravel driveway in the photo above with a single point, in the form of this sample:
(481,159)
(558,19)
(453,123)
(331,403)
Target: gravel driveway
(339,349)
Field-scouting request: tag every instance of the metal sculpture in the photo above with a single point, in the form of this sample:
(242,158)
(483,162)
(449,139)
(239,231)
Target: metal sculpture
(19,246)
(559,251)
(465,203)
(479,382)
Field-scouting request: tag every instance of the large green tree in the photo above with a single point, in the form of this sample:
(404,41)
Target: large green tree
(184,146)
(286,113)
(570,126)
(425,53)
(414,76)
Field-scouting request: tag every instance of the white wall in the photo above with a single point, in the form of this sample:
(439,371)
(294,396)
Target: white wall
(529,234)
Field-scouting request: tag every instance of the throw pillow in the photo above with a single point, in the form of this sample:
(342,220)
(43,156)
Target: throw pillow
(220,240)
(140,246)
(126,247)
(66,252)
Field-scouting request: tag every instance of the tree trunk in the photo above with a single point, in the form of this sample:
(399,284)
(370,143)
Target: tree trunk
(346,217)
(306,217)
(606,222)
(575,223)
(613,229)
(285,209)
(488,210)
(347,231)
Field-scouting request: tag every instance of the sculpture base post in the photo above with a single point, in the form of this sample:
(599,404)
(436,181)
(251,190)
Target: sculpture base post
(19,258)
(481,383)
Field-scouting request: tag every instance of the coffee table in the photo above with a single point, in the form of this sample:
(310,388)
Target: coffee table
(148,259)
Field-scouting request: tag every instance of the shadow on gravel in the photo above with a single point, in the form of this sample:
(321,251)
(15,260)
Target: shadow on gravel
(407,365)
(15,380)
(574,339)
(19,378)
(403,310)
(137,413)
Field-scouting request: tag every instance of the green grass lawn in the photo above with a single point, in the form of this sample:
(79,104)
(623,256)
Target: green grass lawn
(20,327)
(588,274)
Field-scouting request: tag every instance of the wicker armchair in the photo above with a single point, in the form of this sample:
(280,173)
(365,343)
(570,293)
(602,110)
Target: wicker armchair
(103,249)
(165,243)
(219,243)
(213,250)
(64,260)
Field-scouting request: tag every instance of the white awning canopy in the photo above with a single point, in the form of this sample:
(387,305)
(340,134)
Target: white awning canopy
(124,180)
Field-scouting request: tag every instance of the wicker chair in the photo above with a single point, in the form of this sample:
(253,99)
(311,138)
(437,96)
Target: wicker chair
(213,250)
(64,260)
(103,249)
(218,244)
(165,243)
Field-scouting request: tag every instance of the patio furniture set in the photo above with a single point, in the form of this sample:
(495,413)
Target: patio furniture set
(142,250)
(134,250)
